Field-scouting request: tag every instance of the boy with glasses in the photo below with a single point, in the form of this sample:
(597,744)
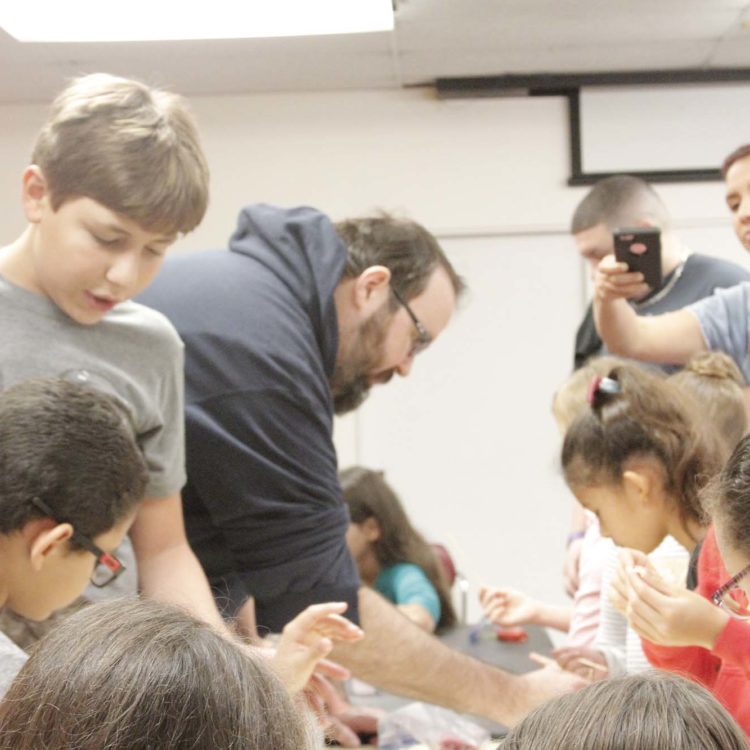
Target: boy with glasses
(71,476)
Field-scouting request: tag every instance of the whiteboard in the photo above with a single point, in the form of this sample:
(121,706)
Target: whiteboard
(662,127)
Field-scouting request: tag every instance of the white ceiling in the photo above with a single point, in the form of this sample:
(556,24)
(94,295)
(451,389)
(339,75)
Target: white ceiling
(432,38)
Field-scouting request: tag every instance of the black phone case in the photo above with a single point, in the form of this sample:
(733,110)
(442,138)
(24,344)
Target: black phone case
(649,262)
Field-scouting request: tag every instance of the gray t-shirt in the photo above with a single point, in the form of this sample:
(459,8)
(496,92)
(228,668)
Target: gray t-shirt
(133,353)
(724,318)
(11,661)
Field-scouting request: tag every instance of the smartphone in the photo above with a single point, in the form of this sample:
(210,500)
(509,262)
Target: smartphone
(640,248)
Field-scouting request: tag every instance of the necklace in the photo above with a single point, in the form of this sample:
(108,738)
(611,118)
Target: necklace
(665,290)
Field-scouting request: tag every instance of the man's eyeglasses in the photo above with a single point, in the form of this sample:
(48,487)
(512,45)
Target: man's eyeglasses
(732,598)
(423,337)
(107,567)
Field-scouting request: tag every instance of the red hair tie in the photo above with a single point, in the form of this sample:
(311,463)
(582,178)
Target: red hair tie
(593,389)
(603,385)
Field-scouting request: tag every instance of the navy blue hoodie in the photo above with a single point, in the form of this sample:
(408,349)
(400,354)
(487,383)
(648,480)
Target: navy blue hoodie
(263,505)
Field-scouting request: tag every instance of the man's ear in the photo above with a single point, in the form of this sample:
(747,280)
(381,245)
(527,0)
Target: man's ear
(48,541)
(34,193)
(371,288)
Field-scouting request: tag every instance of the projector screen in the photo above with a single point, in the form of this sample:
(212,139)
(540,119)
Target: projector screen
(662,127)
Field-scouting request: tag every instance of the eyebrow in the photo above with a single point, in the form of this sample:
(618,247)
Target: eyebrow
(117,229)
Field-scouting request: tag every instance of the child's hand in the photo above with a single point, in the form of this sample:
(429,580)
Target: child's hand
(341,721)
(308,638)
(619,588)
(612,280)
(670,615)
(507,607)
(589,663)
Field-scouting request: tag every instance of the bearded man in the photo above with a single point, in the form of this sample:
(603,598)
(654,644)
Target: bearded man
(295,323)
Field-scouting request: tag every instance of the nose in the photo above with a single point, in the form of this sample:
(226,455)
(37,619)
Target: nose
(124,270)
(743,212)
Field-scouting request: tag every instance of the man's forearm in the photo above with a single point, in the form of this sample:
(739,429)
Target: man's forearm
(399,657)
(174,575)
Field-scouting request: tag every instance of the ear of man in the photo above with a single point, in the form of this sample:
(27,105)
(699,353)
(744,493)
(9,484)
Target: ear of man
(371,289)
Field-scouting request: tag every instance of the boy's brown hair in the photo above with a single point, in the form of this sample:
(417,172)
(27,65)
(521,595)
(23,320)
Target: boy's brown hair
(130,147)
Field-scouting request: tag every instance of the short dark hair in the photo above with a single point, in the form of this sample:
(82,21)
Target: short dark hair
(406,248)
(619,201)
(138,674)
(651,710)
(736,155)
(72,447)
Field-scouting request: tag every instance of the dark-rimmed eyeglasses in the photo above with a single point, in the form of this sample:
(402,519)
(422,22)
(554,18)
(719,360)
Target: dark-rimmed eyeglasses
(731,598)
(107,567)
(423,339)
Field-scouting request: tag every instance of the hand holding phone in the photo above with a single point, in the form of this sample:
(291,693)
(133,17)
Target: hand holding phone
(640,248)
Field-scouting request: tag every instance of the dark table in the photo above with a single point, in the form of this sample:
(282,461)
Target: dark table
(511,657)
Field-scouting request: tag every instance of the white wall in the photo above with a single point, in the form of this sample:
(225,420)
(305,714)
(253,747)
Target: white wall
(467,439)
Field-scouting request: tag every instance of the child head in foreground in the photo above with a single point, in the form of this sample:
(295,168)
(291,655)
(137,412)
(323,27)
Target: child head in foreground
(71,476)
(645,711)
(135,675)
(117,175)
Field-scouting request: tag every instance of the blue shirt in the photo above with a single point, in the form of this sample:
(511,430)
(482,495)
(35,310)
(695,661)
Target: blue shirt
(406,583)
(724,318)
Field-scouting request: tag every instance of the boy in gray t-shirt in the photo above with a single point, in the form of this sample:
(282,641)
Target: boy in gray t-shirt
(117,175)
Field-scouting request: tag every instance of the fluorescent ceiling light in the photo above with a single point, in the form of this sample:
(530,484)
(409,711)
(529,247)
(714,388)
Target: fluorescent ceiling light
(151,20)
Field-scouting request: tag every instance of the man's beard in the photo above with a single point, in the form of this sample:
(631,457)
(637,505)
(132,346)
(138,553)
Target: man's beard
(350,382)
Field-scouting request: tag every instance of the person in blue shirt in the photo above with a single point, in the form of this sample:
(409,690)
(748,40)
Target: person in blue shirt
(391,555)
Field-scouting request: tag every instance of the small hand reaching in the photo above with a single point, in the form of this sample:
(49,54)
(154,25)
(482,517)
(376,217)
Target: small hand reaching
(308,638)
(589,663)
(507,607)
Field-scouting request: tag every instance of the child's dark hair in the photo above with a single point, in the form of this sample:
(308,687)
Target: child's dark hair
(728,498)
(137,674)
(645,711)
(368,495)
(646,417)
(72,447)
